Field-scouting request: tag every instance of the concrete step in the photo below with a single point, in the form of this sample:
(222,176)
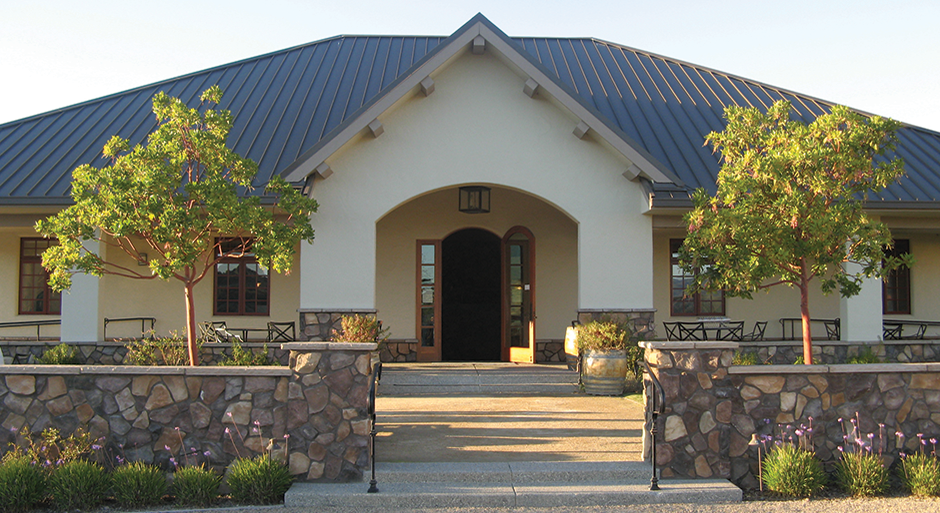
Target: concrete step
(476,379)
(508,485)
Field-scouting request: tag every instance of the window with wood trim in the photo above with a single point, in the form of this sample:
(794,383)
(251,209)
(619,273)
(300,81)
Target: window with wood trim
(896,287)
(36,297)
(682,304)
(242,286)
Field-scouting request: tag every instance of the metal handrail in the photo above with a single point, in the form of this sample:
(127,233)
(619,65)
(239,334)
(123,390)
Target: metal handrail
(37,324)
(142,320)
(655,409)
(376,376)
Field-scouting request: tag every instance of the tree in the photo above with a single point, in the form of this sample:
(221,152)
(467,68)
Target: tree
(788,208)
(177,200)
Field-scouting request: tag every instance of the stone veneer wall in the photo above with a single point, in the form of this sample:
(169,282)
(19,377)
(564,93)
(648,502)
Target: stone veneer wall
(642,320)
(834,352)
(318,406)
(318,324)
(714,408)
(113,353)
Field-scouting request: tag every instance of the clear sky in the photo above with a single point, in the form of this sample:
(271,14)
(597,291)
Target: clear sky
(879,57)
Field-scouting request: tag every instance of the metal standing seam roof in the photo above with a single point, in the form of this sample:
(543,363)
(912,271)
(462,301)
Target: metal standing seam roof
(286,102)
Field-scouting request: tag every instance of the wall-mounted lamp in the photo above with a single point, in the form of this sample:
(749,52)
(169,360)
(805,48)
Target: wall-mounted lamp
(475,199)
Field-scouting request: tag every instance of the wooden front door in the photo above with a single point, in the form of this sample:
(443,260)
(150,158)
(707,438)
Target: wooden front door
(518,295)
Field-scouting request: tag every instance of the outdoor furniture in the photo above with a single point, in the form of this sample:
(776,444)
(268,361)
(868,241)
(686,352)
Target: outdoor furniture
(216,332)
(685,331)
(729,330)
(894,328)
(281,331)
(832,327)
(757,333)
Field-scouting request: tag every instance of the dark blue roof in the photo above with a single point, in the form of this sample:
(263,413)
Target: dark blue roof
(286,102)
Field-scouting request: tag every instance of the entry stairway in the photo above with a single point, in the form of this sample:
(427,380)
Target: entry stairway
(509,485)
(502,436)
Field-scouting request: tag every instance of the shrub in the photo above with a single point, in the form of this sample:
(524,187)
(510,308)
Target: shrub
(170,350)
(22,483)
(62,354)
(790,470)
(79,484)
(196,485)
(245,357)
(744,358)
(50,449)
(920,473)
(866,355)
(603,335)
(360,328)
(862,474)
(260,480)
(138,484)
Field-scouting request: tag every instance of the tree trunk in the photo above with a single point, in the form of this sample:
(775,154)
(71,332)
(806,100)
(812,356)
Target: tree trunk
(191,325)
(804,314)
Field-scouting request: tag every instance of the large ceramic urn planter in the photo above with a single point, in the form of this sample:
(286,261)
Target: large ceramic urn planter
(604,371)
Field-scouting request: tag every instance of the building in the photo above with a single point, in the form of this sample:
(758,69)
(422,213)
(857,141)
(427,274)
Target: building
(583,152)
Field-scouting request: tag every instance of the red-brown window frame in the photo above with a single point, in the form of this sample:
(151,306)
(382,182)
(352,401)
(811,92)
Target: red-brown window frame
(243,262)
(695,299)
(898,280)
(48,293)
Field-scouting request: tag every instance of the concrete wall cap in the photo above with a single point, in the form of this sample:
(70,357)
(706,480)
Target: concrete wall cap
(859,368)
(688,345)
(329,346)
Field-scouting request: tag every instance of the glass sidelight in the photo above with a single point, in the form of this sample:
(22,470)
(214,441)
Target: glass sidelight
(429,301)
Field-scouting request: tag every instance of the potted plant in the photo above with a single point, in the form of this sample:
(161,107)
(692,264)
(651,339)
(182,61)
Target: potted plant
(603,347)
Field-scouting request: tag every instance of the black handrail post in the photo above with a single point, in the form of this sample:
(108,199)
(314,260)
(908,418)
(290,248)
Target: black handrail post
(376,376)
(657,402)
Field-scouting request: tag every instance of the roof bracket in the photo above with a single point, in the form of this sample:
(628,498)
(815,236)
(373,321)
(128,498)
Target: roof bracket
(632,172)
(376,127)
(427,86)
(581,130)
(323,170)
(530,88)
(479,44)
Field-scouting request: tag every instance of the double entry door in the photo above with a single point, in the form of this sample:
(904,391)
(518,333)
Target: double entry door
(498,322)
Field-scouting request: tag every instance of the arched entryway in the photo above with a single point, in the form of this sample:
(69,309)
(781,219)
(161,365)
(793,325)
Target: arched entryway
(470,296)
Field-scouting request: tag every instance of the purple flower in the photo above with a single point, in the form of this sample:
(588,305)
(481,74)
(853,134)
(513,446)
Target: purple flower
(799,432)
(177,428)
(840,419)
(257,423)
(871,435)
(881,424)
(173,461)
(840,448)
(920,435)
(119,459)
(207,454)
(227,432)
(899,434)
(167,447)
(95,447)
(13,430)
(933,440)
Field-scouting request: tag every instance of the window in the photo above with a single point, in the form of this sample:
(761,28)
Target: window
(701,304)
(896,287)
(242,286)
(36,297)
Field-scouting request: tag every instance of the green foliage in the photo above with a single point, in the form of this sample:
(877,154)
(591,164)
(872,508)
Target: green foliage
(603,335)
(862,474)
(62,354)
(635,360)
(260,480)
(866,355)
(22,483)
(196,485)
(245,357)
(175,198)
(159,351)
(799,360)
(138,484)
(50,449)
(360,328)
(787,209)
(745,358)
(793,471)
(79,484)
(920,473)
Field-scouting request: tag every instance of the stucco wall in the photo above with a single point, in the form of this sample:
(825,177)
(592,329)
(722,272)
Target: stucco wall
(434,216)
(478,127)
(9,285)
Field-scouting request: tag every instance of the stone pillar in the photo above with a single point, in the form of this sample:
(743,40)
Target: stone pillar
(328,410)
(640,319)
(317,324)
(81,320)
(861,315)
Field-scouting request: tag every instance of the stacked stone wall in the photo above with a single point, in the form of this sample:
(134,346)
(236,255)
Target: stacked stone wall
(114,353)
(641,320)
(715,409)
(313,413)
(317,325)
(835,352)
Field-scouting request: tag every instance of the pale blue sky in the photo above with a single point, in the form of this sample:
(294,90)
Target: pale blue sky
(880,57)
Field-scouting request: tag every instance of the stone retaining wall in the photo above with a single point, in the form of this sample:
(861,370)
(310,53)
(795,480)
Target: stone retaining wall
(113,353)
(642,320)
(834,352)
(317,324)
(316,409)
(714,409)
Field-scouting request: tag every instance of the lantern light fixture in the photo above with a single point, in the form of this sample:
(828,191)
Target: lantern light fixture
(474,199)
